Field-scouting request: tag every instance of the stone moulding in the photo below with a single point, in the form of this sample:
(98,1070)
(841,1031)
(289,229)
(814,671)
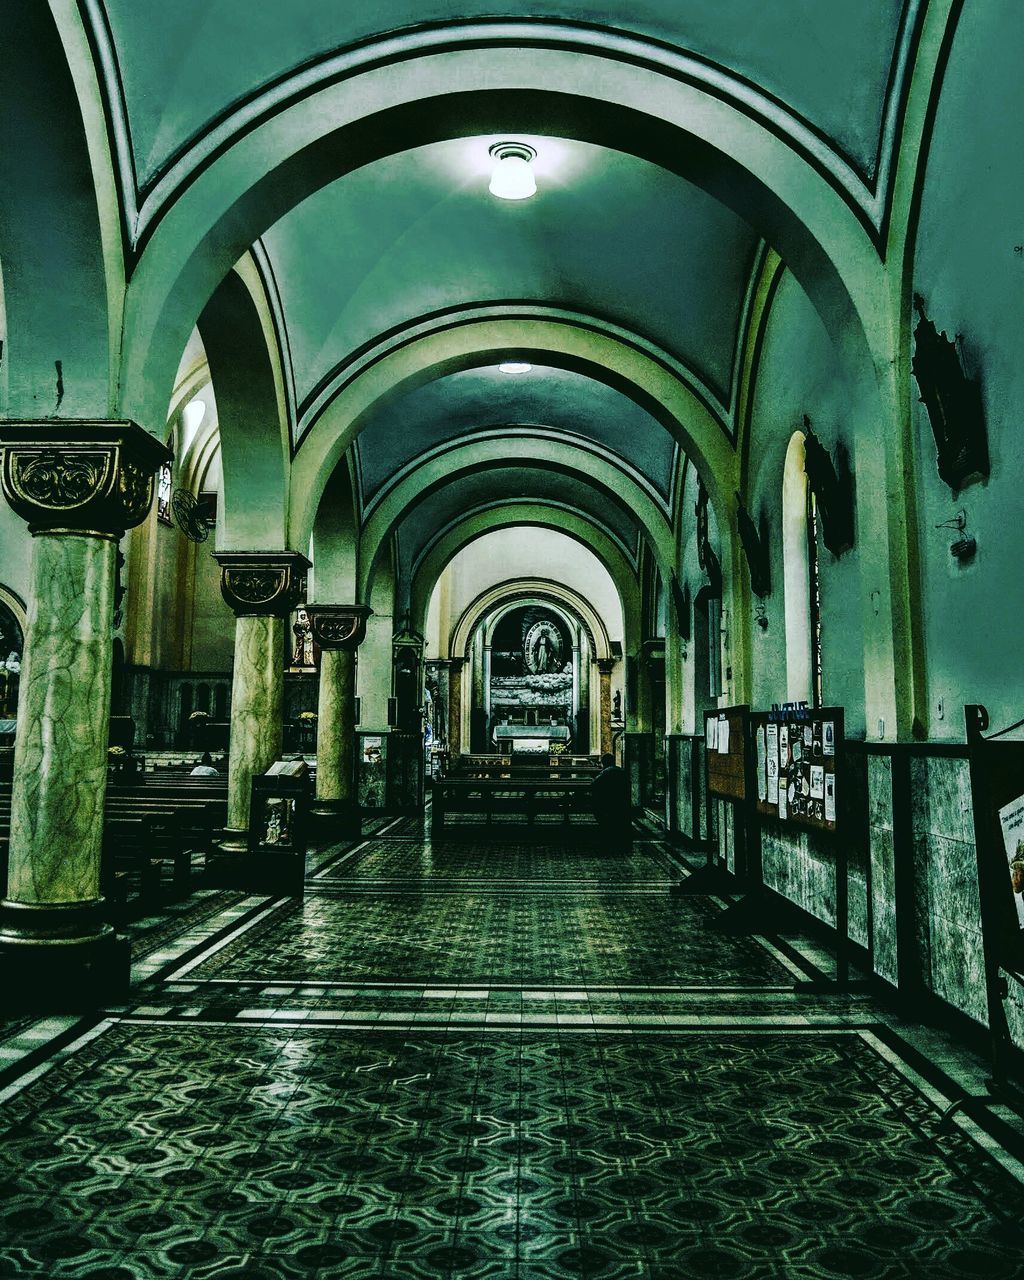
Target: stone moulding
(339,626)
(87,477)
(261,583)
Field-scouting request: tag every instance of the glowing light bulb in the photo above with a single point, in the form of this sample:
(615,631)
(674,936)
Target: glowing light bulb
(512,177)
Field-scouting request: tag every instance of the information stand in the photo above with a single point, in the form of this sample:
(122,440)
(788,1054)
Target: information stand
(727,777)
(997,788)
(796,755)
(726,738)
(278,825)
(797,765)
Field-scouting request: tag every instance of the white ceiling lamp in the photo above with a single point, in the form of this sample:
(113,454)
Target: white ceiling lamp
(514,366)
(512,177)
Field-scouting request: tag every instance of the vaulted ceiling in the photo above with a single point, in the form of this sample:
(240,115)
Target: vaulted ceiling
(185,65)
(610,240)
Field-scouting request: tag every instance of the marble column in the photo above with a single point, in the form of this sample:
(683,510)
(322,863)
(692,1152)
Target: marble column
(338,630)
(486,668)
(79,485)
(261,588)
(604,667)
(583,719)
(455,707)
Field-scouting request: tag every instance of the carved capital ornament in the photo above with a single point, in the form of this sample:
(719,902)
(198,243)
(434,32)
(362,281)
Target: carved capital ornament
(73,476)
(261,583)
(339,626)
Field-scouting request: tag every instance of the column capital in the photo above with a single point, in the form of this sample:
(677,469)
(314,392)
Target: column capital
(339,626)
(606,665)
(255,583)
(457,663)
(81,476)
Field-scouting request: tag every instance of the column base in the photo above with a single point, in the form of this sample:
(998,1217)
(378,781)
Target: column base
(332,820)
(258,872)
(234,840)
(60,957)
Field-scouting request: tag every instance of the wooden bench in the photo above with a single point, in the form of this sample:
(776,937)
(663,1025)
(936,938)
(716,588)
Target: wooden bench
(146,828)
(530,798)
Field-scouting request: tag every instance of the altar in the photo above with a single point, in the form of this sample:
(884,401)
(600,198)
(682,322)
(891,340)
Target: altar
(530,737)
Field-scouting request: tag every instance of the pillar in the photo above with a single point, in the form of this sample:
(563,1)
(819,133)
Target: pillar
(455,707)
(338,630)
(405,763)
(604,668)
(261,588)
(79,485)
(585,741)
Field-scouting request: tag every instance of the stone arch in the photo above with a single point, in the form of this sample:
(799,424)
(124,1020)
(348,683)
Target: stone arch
(751,160)
(16,605)
(532,515)
(334,543)
(252,428)
(527,452)
(493,604)
(607,358)
(59,224)
(397,93)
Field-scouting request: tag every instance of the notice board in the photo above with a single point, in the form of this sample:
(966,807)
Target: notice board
(797,756)
(997,788)
(726,736)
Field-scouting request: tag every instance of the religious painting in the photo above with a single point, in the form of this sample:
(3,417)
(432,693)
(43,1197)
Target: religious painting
(163,494)
(542,648)
(532,687)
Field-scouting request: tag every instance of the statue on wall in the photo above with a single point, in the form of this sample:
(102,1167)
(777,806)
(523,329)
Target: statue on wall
(542,650)
(617,705)
(302,655)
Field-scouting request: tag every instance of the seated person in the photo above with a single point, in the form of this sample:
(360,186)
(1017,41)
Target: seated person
(205,769)
(612,803)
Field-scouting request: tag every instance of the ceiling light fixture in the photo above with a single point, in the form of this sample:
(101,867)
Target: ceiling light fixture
(514,366)
(512,177)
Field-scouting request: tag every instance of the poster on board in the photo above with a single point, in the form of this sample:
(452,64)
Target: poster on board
(1011,820)
(762,762)
(773,764)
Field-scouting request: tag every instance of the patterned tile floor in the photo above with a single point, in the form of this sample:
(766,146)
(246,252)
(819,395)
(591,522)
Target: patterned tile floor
(470,1061)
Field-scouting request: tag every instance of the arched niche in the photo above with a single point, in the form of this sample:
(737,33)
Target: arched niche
(477,525)
(489,608)
(13,622)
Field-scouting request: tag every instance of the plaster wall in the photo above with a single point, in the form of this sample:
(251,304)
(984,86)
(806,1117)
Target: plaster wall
(800,373)
(969,269)
(16,550)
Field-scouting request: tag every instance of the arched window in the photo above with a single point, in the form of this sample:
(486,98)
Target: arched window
(802,581)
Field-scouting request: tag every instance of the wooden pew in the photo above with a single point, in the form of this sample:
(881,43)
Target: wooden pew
(145,828)
(564,798)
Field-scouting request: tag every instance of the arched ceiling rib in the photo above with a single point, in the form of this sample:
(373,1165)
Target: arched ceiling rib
(507,485)
(567,402)
(416,233)
(178,67)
